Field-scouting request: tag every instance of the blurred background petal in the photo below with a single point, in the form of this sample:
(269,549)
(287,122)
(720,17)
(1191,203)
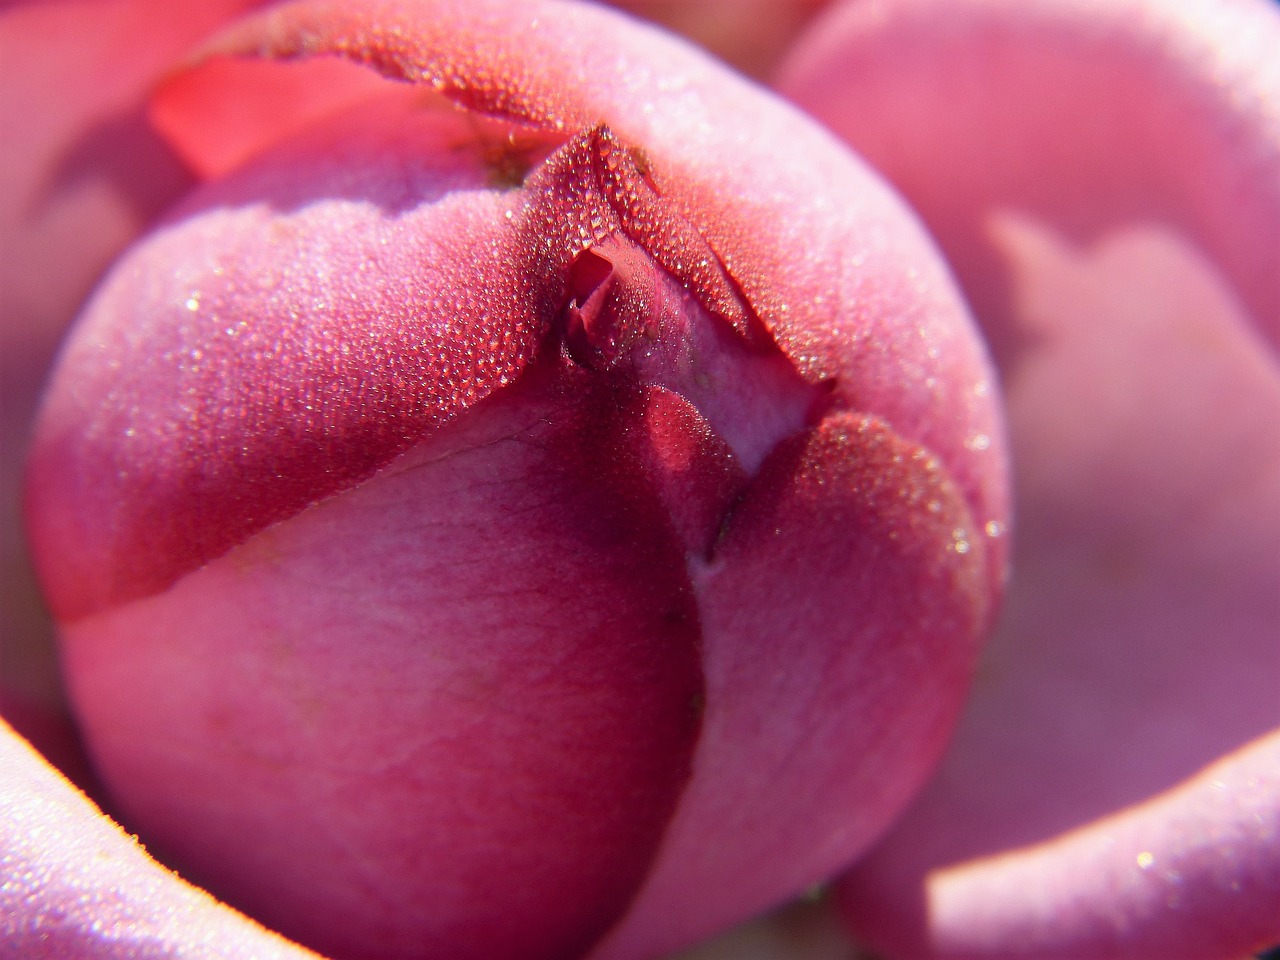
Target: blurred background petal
(1105,179)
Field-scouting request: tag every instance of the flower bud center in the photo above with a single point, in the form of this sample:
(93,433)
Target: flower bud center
(647,299)
(609,306)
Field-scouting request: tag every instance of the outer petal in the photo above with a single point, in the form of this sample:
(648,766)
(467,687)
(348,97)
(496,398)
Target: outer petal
(1106,178)
(445,713)
(838,702)
(1203,882)
(76,887)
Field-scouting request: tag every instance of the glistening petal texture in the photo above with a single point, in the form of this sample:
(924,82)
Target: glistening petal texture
(1106,179)
(824,271)
(311,320)
(881,537)
(76,887)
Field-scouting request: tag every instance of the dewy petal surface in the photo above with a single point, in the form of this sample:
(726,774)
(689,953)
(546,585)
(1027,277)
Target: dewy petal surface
(900,351)
(1106,179)
(855,513)
(422,546)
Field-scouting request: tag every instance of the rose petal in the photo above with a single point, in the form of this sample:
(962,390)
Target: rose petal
(73,886)
(844,698)
(219,114)
(464,716)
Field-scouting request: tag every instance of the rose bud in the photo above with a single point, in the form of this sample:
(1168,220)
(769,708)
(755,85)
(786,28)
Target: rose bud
(552,506)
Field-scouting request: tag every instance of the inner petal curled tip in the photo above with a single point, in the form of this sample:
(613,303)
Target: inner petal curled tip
(648,300)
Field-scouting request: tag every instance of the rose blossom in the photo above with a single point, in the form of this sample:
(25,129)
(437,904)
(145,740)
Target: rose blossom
(1105,179)
(1079,296)
(538,511)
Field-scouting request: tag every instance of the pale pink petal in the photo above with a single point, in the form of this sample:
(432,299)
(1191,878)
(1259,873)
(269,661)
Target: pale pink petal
(73,886)
(1105,177)
(1193,869)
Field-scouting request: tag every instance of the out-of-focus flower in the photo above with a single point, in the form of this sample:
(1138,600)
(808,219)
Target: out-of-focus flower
(552,504)
(752,35)
(1105,179)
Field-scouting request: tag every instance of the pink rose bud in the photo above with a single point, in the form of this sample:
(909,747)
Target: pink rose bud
(552,505)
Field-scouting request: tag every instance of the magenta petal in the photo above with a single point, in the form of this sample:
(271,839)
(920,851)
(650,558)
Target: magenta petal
(1106,179)
(441,712)
(73,886)
(833,709)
